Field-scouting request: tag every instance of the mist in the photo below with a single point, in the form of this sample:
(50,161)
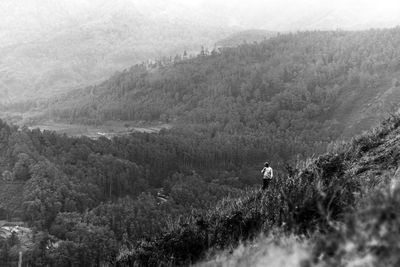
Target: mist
(49,46)
(32,16)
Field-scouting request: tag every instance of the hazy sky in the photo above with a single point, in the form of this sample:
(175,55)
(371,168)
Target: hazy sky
(29,29)
(274,13)
(19,16)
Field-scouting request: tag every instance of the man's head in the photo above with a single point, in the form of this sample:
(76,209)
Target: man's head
(266,164)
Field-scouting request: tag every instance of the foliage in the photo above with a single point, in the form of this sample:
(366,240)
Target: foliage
(150,199)
(312,201)
(87,198)
(299,204)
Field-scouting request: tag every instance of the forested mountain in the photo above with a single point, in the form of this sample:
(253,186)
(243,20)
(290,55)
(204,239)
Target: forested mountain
(52,47)
(290,95)
(350,77)
(48,47)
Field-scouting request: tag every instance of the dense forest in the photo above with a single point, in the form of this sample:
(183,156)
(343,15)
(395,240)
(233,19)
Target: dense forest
(96,202)
(103,194)
(289,95)
(150,199)
(292,82)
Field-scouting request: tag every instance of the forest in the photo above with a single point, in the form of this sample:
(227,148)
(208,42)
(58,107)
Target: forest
(291,82)
(137,199)
(289,95)
(74,187)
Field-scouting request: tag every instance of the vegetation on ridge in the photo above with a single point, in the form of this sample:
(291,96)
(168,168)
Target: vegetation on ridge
(311,200)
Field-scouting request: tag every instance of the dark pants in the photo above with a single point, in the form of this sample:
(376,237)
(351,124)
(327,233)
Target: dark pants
(265,183)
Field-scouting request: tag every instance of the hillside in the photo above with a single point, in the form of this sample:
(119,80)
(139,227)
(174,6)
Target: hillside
(97,201)
(100,195)
(104,194)
(350,77)
(51,47)
(345,203)
(286,97)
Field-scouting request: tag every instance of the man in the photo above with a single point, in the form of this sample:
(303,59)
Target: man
(267,175)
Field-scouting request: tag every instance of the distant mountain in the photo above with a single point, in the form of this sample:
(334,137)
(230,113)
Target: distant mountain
(345,80)
(248,36)
(51,47)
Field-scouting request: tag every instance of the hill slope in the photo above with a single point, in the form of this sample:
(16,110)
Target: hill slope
(283,99)
(296,92)
(345,76)
(338,187)
(101,195)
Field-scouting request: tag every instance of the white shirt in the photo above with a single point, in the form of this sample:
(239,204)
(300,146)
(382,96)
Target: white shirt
(268,173)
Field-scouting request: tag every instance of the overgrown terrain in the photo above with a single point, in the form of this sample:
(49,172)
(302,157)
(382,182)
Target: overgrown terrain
(346,201)
(83,200)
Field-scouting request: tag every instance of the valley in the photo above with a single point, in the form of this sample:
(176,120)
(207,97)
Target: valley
(133,133)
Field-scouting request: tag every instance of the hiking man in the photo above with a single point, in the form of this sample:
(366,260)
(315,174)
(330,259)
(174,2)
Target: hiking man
(267,175)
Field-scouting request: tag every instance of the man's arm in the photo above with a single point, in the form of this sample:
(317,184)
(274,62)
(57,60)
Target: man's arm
(272,173)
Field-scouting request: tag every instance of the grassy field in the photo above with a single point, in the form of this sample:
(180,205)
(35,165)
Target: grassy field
(109,129)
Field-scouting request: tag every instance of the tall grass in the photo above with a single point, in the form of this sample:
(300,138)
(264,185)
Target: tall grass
(313,200)
(301,204)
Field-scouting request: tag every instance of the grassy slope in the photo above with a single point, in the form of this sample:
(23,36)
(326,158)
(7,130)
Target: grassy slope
(313,199)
